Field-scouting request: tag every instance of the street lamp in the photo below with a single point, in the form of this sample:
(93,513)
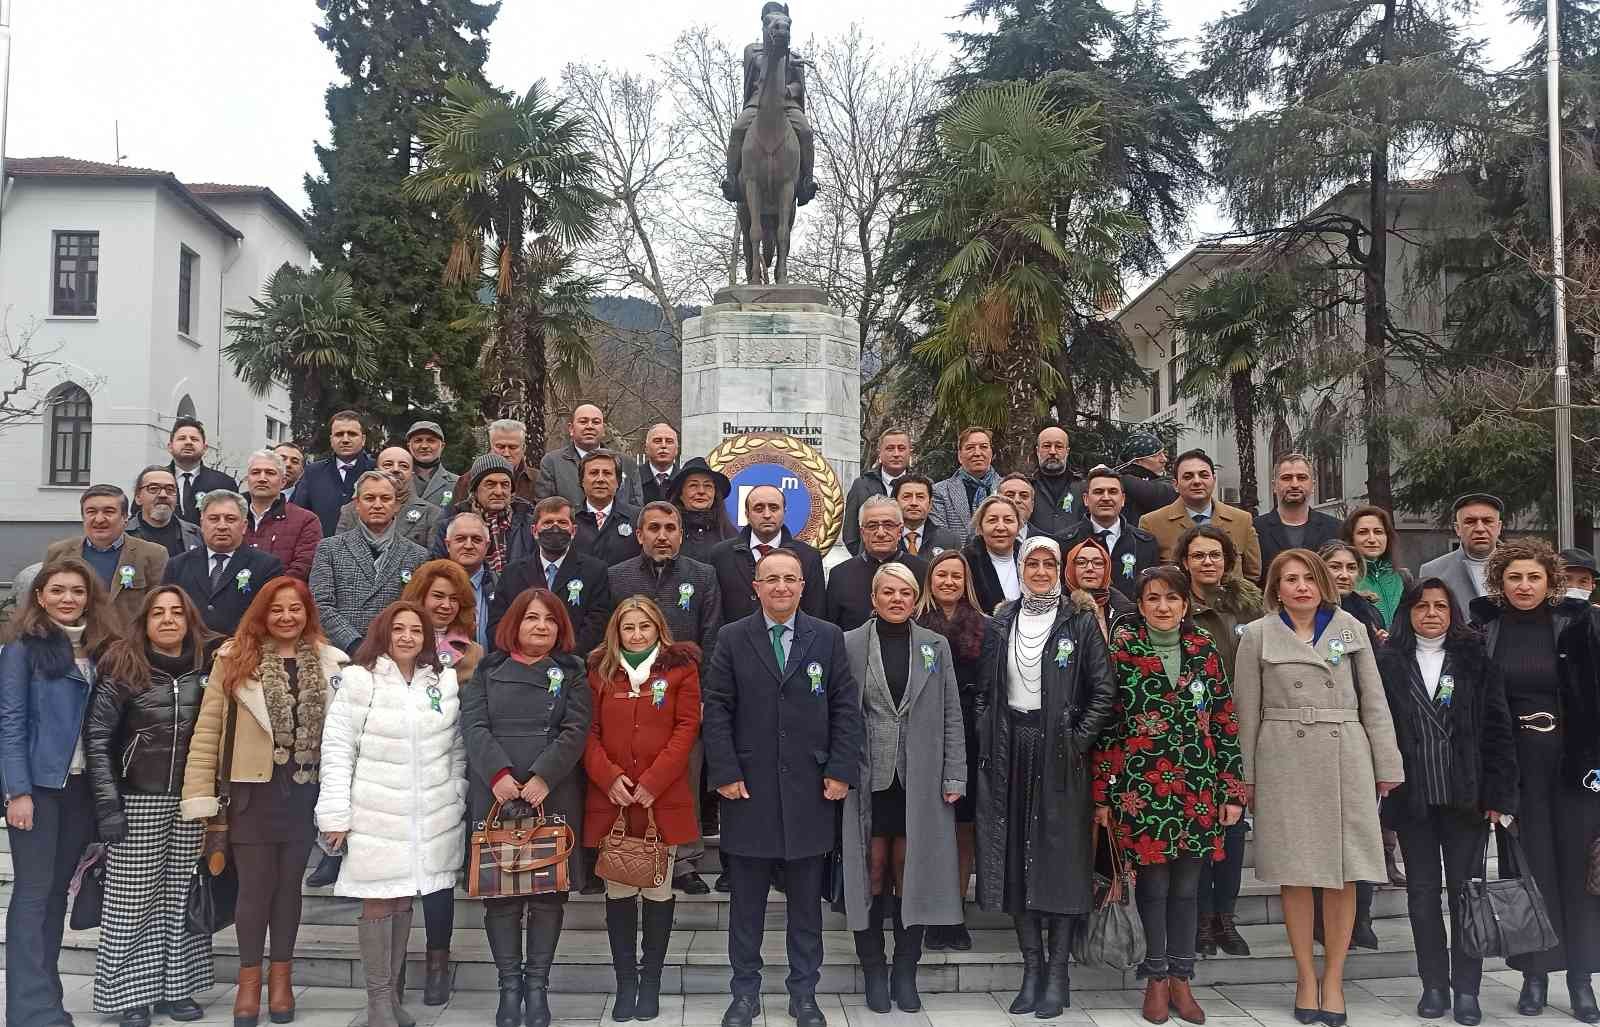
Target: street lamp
(1563,382)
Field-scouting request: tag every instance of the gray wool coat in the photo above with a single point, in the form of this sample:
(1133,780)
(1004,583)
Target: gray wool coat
(1315,776)
(935,762)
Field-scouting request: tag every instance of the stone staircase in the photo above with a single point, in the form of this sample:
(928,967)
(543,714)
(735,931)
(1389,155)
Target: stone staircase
(697,960)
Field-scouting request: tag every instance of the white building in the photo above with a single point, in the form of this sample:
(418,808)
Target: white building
(124,275)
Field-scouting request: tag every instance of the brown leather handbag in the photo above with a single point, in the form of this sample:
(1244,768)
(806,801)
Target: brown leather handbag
(635,862)
(514,858)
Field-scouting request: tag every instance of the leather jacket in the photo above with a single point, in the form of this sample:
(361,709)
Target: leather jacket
(139,741)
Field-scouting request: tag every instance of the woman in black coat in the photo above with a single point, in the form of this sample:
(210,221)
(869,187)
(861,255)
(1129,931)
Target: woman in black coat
(1454,731)
(142,715)
(1047,694)
(525,717)
(1547,649)
(992,553)
(701,496)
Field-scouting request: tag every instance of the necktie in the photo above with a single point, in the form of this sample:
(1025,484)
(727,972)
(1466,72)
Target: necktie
(1201,518)
(911,542)
(550,572)
(777,644)
(762,549)
(188,492)
(1105,539)
(221,561)
(599,521)
(344,474)
(661,479)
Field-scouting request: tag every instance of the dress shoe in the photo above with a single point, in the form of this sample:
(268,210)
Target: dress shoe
(742,1011)
(1333,1019)
(1581,992)
(959,938)
(1434,1003)
(1305,1014)
(185,1009)
(690,884)
(806,1012)
(1157,1000)
(1535,994)
(138,1016)
(936,938)
(1468,1012)
(1362,936)
(723,885)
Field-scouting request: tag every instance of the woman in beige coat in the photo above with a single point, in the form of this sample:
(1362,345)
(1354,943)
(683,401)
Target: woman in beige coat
(1318,744)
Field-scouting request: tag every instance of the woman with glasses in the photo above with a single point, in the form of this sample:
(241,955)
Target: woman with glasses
(1088,577)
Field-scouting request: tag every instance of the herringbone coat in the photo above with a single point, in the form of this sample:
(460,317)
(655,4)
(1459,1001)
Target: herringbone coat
(350,589)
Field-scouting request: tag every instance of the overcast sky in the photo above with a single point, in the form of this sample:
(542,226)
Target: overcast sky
(232,90)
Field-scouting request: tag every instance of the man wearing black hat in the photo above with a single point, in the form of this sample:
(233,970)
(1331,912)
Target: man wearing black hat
(1144,481)
(431,481)
(1580,574)
(508,517)
(1478,526)
(701,495)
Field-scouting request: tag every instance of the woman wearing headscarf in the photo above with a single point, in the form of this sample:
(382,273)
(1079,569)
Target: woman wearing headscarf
(914,769)
(1047,694)
(1088,577)
(701,496)
(949,607)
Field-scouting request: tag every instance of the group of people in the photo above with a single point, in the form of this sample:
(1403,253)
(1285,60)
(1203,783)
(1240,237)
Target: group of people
(1010,676)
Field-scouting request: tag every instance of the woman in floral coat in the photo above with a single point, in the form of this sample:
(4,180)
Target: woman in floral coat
(1167,777)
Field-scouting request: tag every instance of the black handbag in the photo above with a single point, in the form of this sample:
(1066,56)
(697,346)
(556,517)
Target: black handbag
(89,885)
(211,900)
(1507,917)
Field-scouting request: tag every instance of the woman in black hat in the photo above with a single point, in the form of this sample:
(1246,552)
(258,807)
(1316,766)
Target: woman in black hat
(701,494)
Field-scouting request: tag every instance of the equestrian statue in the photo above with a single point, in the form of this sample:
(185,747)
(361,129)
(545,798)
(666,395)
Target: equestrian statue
(770,151)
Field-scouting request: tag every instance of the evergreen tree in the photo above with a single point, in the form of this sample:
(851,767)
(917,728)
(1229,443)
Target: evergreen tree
(1330,93)
(396,56)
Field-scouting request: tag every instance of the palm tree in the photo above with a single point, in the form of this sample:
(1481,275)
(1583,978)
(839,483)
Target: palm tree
(518,180)
(1012,188)
(308,330)
(1242,360)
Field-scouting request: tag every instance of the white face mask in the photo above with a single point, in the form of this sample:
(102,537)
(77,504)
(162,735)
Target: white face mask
(1578,593)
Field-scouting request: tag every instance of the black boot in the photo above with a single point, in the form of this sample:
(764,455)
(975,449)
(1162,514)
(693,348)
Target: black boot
(1056,995)
(1030,940)
(907,953)
(1434,1003)
(1582,994)
(657,933)
(1362,936)
(544,931)
(622,927)
(504,930)
(1535,994)
(874,965)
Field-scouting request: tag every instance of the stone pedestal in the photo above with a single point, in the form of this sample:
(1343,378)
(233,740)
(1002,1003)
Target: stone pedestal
(774,359)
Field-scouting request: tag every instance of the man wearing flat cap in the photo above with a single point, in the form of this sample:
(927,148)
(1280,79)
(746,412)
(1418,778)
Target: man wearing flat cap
(430,480)
(1144,480)
(1581,574)
(1478,526)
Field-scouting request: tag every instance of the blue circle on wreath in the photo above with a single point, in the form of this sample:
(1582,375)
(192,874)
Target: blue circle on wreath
(796,497)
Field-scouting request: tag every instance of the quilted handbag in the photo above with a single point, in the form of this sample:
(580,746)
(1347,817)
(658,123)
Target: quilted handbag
(1111,935)
(87,891)
(1507,917)
(525,856)
(636,862)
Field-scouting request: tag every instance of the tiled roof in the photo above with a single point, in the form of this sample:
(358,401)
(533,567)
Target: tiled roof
(90,170)
(207,190)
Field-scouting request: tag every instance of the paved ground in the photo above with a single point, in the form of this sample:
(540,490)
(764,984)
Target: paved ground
(1371,1003)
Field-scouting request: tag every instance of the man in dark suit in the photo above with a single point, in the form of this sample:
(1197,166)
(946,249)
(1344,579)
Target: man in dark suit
(1293,524)
(1057,494)
(894,460)
(658,465)
(329,484)
(605,522)
(187,445)
(920,536)
(222,576)
(1132,549)
(850,583)
(735,559)
(779,669)
(579,581)
(561,470)
(466,543)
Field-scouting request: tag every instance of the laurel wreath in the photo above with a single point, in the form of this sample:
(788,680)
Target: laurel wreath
(827,512)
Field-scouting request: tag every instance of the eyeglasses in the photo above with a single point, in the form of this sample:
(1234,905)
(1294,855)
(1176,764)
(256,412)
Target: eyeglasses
(161,490)
(786,579)
(1088,563)
(1207,557)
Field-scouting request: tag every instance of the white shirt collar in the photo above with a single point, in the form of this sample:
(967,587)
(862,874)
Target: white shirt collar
(606,512)
(212,554)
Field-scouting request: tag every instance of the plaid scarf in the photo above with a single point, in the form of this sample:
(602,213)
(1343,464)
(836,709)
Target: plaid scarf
(499,525)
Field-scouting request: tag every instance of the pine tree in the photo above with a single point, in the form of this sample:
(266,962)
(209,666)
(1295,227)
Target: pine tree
(396,56)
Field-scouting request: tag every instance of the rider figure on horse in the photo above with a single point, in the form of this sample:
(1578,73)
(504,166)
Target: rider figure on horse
(755,62)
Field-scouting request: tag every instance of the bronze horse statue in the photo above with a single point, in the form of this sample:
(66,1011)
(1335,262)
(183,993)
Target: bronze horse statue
(769,167)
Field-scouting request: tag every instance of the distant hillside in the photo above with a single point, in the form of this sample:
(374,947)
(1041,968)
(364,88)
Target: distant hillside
(633,313)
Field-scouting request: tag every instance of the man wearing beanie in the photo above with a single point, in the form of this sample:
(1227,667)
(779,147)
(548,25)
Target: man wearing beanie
(431,481)
(1144,480)
(508,518)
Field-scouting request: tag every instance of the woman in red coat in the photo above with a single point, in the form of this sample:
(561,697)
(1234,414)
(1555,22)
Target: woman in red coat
(646,719)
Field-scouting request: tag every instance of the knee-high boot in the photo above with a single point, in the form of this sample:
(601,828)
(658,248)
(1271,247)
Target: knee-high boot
(544,932)
(502,923)
(622,928)
(1056,994)
(1030,940)
(401,926)
(657,921)
(907,953)
(874,964)
(377,962)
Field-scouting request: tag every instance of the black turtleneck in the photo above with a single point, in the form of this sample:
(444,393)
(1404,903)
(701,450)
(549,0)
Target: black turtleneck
(170,536)
(1526,653)
(173,666)
(894,647)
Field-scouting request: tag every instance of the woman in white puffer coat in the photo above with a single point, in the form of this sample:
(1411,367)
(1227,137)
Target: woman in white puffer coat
(394,790)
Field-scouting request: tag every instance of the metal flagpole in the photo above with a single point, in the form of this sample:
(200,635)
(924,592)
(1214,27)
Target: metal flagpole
(5,82)
(1564,511)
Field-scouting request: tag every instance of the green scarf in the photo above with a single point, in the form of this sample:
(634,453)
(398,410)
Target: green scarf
(1165,644)
(1385,584)
(634,659)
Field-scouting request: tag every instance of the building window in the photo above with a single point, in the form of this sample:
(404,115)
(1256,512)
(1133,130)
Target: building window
(188,261)
(1172,380)
(277,431)
(1282,441)
(71,428)
(1328,432)
(1155,391)
(186,406)
(77,274)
